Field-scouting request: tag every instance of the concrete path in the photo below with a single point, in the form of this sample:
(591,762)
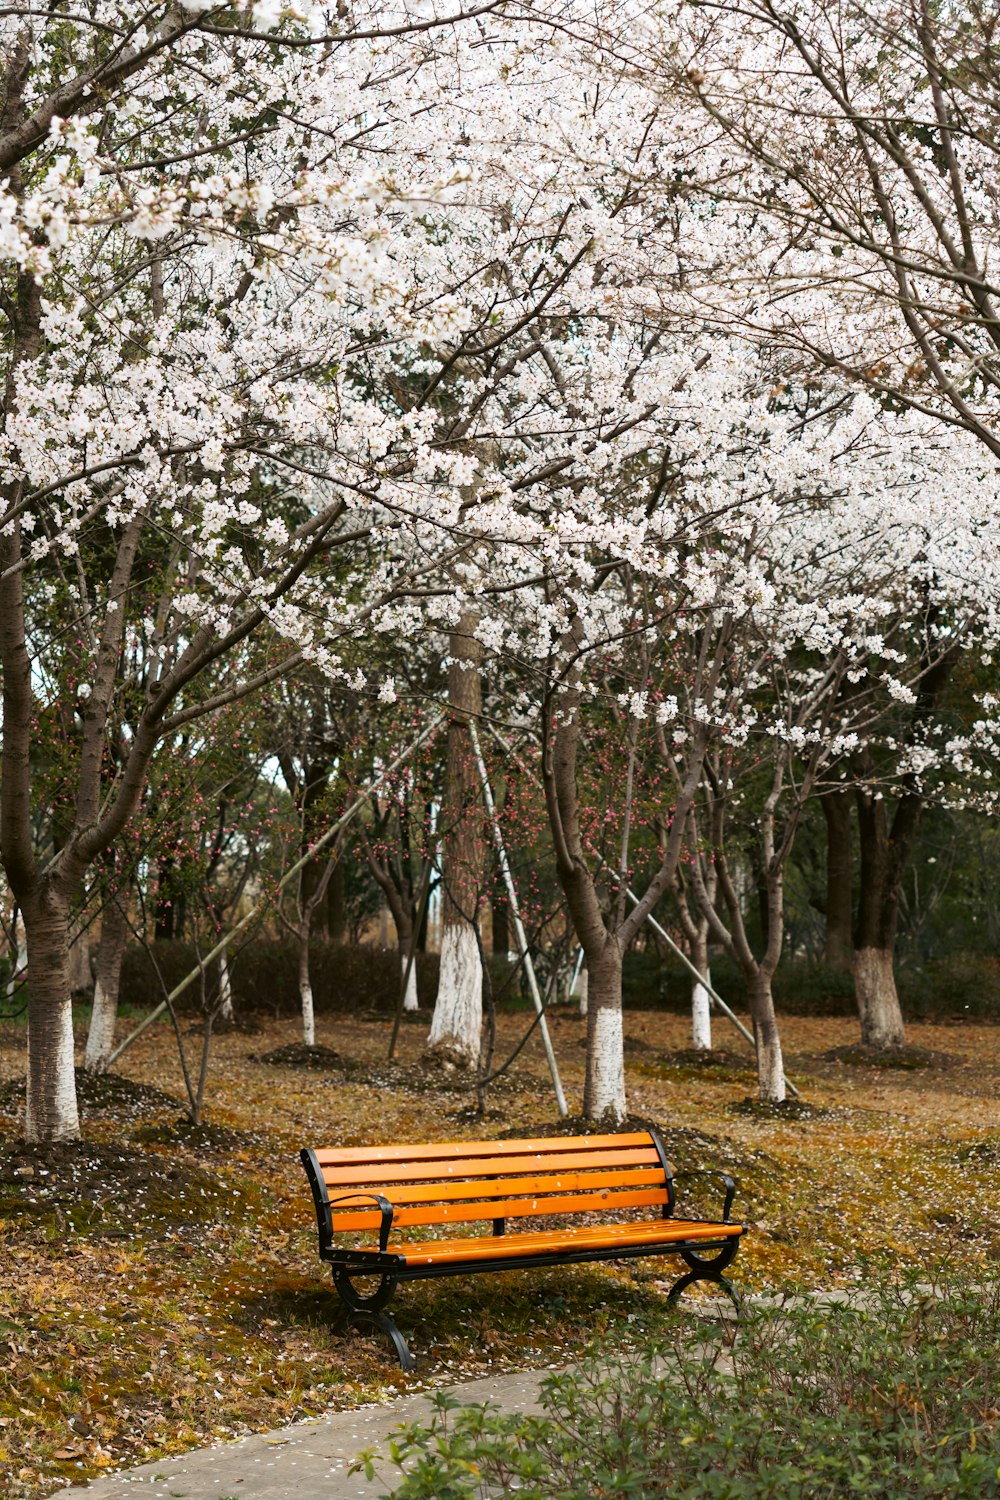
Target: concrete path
(308,1461)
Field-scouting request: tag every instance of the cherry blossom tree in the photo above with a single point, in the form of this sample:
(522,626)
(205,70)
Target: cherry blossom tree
(207,254)
(844,158)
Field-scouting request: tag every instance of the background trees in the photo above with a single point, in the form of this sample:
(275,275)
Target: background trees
(344,362)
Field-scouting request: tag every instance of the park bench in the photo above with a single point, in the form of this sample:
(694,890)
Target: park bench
(592,1183)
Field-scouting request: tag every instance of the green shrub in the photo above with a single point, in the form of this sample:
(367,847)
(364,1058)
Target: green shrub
(892,1400)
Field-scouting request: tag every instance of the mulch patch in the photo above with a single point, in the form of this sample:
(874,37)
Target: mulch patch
(787,1109)
(234,1026)
(89,1185)
(697,1057)
(298,1055)
(99,1093)
(904,1059)
(429,1077)
(203,1137)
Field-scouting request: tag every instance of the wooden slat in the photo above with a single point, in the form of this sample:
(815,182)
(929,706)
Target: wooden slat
(384,1173)
(606,1237)
(467,1150)
(503,1208)
(477,1187)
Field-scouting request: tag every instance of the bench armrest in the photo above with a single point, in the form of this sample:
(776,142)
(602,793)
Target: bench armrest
(728,1182)
(384,1205)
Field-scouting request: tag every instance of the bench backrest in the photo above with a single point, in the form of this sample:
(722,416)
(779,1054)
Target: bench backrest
(454,1182)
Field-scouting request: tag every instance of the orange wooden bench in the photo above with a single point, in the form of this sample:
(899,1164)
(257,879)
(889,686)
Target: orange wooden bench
(592,1183)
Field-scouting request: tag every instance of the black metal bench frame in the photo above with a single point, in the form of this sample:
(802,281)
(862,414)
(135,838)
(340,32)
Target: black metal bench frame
(366,1310)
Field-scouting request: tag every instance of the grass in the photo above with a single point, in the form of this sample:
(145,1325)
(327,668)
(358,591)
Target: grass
(159,1286)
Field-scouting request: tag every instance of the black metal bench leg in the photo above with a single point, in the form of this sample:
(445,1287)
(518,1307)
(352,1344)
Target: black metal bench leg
(362,1318)
(703,1269)
(366,1312)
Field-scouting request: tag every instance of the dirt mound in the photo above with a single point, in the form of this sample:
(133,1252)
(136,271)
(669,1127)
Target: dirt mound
(204,1137)
(298,1055)
(697,1057)
(434,1076)
(788,1109)
(97,1092)
(88,1187)
(905,1059)
(234,1026)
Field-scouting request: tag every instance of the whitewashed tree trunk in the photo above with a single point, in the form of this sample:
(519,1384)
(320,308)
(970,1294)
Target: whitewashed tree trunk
(701,1008)
(101,1033)
(582,986)
(410,999)
(305,993)
(770,1064)
(456,1026)
(458,1013)
(701,1017)
(51,1110)
(878,1001)
(110,953)
(604,1089)
(225,988)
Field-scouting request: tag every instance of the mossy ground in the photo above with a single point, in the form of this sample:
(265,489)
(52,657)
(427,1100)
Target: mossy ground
(159,1285)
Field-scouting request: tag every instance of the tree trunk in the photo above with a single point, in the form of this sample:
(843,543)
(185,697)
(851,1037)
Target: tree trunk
(51,1111)
(604,1089)
(411,1000)
(878,1002)
(882,864)
(701,1008)
(225,988)
(839,946)
(458,1012)
(770,1066)
(305,990)
(110,953)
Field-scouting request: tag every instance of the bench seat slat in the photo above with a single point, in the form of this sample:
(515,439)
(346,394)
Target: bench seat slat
(504,1208)
(468,1150)
(487,1166)
(403,1194)
(509,1246)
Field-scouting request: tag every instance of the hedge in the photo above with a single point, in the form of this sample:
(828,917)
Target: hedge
(264,976)
(352,978)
